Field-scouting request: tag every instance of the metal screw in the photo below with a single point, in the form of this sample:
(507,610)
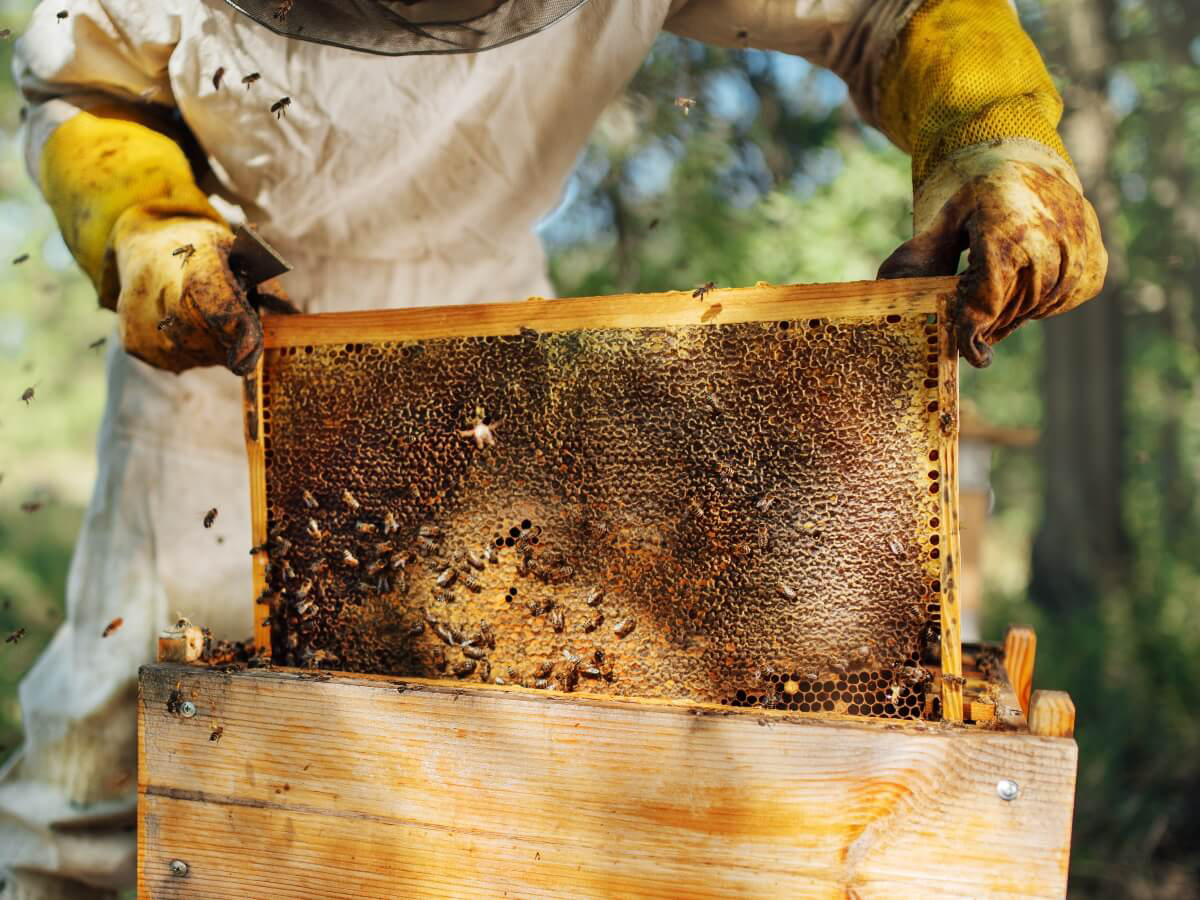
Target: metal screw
(179,868)
(187,709)
(1007,789)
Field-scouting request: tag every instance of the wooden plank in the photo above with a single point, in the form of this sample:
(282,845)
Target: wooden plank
(358,787)
(1052,714)
(951,618)
(255,451)
(1020,654)
(762,302)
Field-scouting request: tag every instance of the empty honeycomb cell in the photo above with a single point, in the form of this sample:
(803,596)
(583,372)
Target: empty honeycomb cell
(685,472)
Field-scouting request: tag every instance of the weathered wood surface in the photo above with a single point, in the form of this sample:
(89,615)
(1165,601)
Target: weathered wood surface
(1020,654)
(360,787)
(1052,714)
(721,306)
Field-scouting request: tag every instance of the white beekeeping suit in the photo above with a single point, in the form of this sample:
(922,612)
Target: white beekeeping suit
(386,182)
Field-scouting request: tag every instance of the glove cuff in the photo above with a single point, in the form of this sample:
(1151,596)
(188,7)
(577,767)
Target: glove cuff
(960,167)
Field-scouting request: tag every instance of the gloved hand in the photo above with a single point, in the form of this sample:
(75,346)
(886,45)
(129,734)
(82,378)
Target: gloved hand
(179,304)
(1034,240)
(126,199)
(965,91)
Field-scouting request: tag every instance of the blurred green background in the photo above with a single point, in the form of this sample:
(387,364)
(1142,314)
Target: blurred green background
(1095,534)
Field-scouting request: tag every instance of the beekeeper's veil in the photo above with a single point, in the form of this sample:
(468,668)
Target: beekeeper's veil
(405,27)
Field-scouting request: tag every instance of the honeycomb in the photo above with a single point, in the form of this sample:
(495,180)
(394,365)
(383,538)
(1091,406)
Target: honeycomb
(746,514)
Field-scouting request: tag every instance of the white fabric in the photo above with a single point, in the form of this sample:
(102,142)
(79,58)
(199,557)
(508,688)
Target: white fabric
(389,183)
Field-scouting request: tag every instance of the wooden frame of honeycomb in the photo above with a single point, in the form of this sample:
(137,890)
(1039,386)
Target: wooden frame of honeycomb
(744,497)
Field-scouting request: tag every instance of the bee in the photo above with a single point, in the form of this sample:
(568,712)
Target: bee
(443,632)
(167,321)
(250,79)
(700,292)
(376,566)
(304,607)
(487,635)
(309,500)
(282,8)
(217,76)
(470,582)
(283,545)
(31,506)
(544,668)
(279,107)
(569,679)
(390,524)
(439,659)
(112,626)
(24,257)
(61,15)
(27,395)
(349,499)
(464,668)
(556,621)
(399,560)
(319,565)
(946,423)
(349,559)
(595,595)
(914,675)
(685,103)
(186,252)
(624,627)
(97,343)
(5,34)
(429,531)
(590,672)
(785,592)
(573,659)
(443,596)
(765,502)
(288,572)
(896,547)
(383,548)
(315,530)
(15,637)
(446,578)
(485,670)
(416,629)
(364,527)
(210,517)
(489,553)
(382,584)
(473,651)
(474,560)
(593,623)
(598,656)
(522,566)
(764,538)
(305,587)
(425,545)
(541,683)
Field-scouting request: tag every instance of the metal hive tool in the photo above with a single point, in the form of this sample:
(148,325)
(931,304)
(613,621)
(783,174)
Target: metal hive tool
(631,496)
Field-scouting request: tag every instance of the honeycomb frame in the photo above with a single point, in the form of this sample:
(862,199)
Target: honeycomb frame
(690,339)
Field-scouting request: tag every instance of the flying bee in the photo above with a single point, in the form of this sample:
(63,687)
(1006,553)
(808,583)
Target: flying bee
(364,527)
(425,545)
(471,583)
(210,517)
(785,592)
(186,252)
(314,530)
(487,635)
(700,292)
(349,559)
(97,343)
(473,651)
(485,671)
(443,631)
(446,578)
(217,76)
(279,107)
(305,587)
(15,637)
(390,524)
(309,500)
(556,621)
(348,499)
(544,668)
(61,15)
(464,668)
(624,627)
(250,79)
(474,560)
(112,626)
(31,506)
(685,103)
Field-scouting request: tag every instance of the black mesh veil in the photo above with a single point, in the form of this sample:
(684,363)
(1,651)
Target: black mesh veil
(404,27)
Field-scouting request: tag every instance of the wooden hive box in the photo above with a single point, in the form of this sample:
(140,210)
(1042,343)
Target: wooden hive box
(707,579)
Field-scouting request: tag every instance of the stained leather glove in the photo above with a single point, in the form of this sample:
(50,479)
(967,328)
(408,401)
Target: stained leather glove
(125,197)
(965,91)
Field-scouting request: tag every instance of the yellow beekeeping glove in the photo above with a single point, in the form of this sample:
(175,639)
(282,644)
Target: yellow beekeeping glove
(965,91)
(126,200)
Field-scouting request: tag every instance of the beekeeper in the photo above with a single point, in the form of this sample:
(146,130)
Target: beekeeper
(409,174)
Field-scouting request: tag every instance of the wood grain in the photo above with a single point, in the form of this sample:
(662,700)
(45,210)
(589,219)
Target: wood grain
(762,302)
(1052,714)
(952,701)
(1020,654)
(355,787)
